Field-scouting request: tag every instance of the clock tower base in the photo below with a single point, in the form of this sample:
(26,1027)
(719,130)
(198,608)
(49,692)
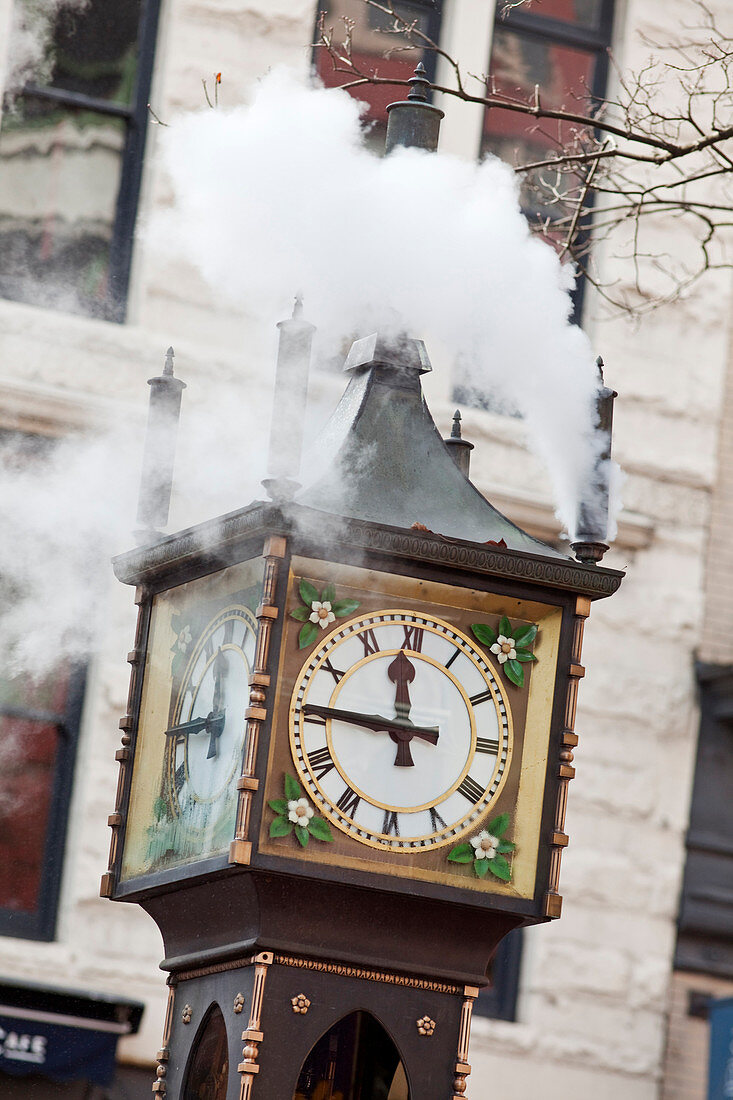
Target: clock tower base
(277,1026)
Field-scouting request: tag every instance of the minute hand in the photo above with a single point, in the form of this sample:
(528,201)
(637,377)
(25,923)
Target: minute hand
(401,728)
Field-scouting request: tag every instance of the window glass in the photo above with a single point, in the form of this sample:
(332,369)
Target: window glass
(520,62)
(59,182)
(586,13)
(27,771)
(97,55)
(370,41)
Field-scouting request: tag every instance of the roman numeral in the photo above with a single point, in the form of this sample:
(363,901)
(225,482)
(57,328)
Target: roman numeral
(228,631)
(487,744)
(391,824)
(348,802)
(369,641)
(480,697)
(436,821)
(316,719)
(413,638)
(320,761)
(335,672)
(471,790)
(451,659)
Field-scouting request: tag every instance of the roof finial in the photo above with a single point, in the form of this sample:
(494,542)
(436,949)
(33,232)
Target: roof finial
(298,306)
(460,449)
(419,84)
(599,367)
(455,432)
(168,366)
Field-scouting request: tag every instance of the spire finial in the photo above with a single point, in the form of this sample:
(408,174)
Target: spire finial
(455,432)
(298,306)
(419,84)
(599,366)
(168,366)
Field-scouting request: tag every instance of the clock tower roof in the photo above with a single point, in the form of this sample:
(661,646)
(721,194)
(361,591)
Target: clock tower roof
(380,457)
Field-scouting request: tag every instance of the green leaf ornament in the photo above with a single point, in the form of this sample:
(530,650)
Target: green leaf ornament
(462,853)
(281,827)
(328,595)
(499,867)
(308,593)
(344,607)
(307,636)
(302,835)
(484,633)
(279,805)
(320,829)
(514,672)
(498,826)
(481,866)
(525,635)
(292,789)
(505,627)
(302,614)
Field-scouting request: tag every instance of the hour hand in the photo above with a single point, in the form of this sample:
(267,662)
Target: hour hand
(401,730)
(213,724)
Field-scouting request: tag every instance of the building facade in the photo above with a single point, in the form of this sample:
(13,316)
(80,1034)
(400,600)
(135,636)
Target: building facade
(611,999)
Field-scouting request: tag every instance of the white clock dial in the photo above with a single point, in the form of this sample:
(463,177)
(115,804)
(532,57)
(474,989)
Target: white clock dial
(400,731)
(205,739)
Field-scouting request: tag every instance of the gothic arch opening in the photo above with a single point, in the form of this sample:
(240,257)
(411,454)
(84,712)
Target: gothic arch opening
(207,1072)
(356,1059)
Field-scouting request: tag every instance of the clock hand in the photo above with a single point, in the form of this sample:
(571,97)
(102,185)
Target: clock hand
(213,723)
(216,726)
(401,730)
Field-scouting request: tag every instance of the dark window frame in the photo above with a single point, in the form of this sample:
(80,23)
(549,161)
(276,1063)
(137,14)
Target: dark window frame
(41,924)
(595,40)
(135,117)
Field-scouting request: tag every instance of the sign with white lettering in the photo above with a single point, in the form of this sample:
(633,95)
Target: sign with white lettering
(61,1052)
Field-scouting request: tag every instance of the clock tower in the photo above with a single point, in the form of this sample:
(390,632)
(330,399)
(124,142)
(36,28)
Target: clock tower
(345,761)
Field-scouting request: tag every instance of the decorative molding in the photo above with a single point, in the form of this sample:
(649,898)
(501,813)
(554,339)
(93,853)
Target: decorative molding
(300,1004)
(425,1026)
(240,849)
(463,1066)
(123,755)
(513,564)
(252,1036)
(238,1003)
(566,772)
(215,968)
(187,1014)
(554,570)
(386,976)
(161,1069)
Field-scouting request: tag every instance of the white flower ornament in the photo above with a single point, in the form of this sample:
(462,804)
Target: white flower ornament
(504,648)
(184,639)
(485,845)
(300,812)
(321,613)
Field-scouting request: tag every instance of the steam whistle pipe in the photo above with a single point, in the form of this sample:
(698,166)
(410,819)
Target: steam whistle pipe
(288,404)
(413,122)
(592,523)
(156,481)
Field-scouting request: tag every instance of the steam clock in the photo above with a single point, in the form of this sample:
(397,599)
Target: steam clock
(345,761)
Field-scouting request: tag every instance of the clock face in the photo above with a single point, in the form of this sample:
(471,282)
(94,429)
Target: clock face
(400,731)
(204,743)
(191,731)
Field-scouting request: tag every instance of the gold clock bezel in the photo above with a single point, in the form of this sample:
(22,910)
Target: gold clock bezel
(436,625)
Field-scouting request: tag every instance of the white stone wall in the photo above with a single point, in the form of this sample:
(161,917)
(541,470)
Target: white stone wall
(595,985)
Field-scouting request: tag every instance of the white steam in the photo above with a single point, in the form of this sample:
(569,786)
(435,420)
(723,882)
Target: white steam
(282,194)
(271,199)
(29,56)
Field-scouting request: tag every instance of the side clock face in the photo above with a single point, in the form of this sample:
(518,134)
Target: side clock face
(204,742)
(400,731)
(191,728)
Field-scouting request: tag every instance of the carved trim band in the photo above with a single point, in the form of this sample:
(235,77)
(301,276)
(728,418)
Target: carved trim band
(345,971)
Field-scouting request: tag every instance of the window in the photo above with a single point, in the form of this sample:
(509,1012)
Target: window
(39,721)
(561,46)
(371,39)
(705,926)
(38,726)
(71,161)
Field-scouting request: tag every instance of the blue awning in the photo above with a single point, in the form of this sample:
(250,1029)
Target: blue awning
(62,1035)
